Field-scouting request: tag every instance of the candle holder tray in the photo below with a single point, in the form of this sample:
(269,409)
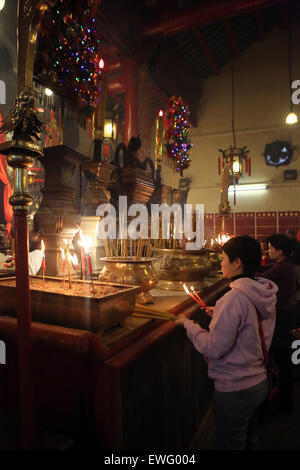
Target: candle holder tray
(74,308)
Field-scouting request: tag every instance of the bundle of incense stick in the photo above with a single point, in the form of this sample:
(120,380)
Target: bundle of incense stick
(174,240)
(146,312)
(124,249)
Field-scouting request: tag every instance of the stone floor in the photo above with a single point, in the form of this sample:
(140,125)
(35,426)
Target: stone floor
(281,432)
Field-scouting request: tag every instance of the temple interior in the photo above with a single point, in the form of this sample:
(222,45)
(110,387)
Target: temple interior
(137,138)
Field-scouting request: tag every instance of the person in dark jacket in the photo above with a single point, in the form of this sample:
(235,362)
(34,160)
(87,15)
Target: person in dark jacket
(283,273)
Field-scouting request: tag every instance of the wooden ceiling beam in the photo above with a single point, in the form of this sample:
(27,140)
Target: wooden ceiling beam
(114,66)
(210,58)
(199,15)
(232,40)
(116,86)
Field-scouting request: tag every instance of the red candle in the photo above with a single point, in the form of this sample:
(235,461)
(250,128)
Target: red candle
(67,251)
(69,266)
(191,295)
(90,270)
(87,242)
(82,253)
(74,261)
(63,264)
(89,263)
(202,303)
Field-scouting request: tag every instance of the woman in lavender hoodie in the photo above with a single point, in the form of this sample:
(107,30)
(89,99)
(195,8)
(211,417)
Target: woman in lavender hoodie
(232,347)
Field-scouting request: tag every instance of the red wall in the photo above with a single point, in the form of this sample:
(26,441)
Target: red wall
(257,224)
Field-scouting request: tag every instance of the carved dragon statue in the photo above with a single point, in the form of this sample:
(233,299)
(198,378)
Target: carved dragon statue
(24,120)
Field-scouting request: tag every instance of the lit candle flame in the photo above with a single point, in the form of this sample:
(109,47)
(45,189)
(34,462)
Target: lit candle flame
(43,248)
(202,303)
(69,259)
(87,243)
(63,263)
(186,289)
(81,244)
(63,254)
(74,261)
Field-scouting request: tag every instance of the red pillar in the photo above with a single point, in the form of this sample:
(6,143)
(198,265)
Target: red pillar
(24,329)
(131,127)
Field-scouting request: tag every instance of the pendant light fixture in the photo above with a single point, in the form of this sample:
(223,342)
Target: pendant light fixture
(235,158)
(291,117)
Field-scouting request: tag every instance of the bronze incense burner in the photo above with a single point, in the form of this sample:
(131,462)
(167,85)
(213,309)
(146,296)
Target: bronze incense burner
(131,271)
(176,267)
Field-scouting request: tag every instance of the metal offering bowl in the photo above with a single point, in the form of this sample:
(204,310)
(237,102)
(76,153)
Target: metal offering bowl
(178,267)
(215,259)
(66,308)
(131,271)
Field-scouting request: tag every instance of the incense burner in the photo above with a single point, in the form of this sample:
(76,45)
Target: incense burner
(215,259)
(78,307)
(178,267)
(131,271)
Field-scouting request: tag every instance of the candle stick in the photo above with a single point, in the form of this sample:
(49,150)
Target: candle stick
(43,262)
(87,243)
(69,267)
(82,254)
(90,270)
(159,136)
(191,295)
(74,263)
(202,303)
(67,250)
(63,264)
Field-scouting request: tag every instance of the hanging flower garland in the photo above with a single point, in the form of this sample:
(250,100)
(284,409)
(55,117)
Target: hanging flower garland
(69,51)
(178,143)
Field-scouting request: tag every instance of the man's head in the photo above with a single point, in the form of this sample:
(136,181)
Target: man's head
(280,246)
(241,255)
(34,240)
(291,234)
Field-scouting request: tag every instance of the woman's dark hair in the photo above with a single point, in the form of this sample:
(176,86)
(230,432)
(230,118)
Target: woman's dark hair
(247,249)
(290,233)
(281,242)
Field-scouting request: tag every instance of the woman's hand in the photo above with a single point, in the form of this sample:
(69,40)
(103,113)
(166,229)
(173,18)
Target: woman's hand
(180,319)
(209,311)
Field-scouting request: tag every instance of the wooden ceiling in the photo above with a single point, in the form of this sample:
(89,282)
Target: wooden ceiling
(185,41)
